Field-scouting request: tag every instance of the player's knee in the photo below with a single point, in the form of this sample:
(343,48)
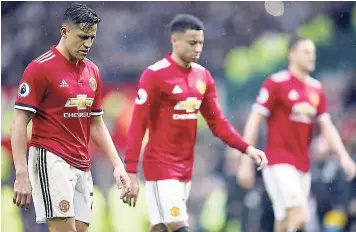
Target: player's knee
(297,217)
(159,228)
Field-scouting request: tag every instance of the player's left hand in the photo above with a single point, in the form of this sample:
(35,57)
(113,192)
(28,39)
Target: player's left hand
(349,166)
(131,198)
(258,156)
(123,181)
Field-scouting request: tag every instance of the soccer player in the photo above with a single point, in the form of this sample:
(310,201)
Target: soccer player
(60,92)
(291,102)
(170,94)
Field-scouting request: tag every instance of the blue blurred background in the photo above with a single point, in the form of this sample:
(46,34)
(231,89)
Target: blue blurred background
(244,44)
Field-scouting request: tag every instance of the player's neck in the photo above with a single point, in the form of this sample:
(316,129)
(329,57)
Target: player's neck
(179,61)
(62,49)
(301,75)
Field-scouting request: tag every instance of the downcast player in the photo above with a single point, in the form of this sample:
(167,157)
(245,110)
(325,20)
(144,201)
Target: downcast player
(170,94)
(291,101)
(61,92)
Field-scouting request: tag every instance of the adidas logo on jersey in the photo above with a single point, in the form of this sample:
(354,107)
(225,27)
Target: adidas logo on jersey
(63,84)
(177,90)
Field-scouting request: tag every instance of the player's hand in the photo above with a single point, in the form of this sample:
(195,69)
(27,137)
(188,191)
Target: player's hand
(349,166)
(123,181)
(131,198)
(258,156)
(22,190)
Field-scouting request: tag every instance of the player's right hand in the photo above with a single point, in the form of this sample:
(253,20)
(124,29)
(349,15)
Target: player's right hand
(22,190)
(258,156)
(131,198)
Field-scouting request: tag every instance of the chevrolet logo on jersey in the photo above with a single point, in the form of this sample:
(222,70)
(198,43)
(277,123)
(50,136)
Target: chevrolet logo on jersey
(81,102)
(191,104)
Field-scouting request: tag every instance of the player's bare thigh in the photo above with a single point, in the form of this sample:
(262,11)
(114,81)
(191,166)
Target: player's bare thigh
(173,226)
(296,218)
(280,225)
(81,226)
(62,225)
(67,225)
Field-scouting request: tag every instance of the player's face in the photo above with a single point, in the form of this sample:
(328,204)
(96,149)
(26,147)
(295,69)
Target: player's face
(304,55)
(189,45)
(79,40)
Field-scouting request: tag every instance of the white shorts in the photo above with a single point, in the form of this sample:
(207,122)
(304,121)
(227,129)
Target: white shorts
(166,201)
(58,189)
(287,187)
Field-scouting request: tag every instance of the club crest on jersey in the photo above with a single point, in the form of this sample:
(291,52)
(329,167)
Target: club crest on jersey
(293,95)
(24,90)
(314,99)
(201,86)
(92,83)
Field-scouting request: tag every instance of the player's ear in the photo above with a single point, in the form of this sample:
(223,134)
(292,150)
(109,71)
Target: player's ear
(290,54)
(64,30)
(173,39)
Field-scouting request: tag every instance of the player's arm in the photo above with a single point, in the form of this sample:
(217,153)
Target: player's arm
(220,126)
(147,98)
(100,135)
(332,136)
(260,111)
(31,90)
(330,133)
(246,170)
(19,140)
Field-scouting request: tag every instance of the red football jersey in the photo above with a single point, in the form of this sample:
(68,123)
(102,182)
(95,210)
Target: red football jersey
(291,108)
(169,98)
(63,95)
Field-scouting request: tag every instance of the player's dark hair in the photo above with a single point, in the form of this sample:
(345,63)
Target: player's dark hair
(79,13)
(183,22)
(293,42)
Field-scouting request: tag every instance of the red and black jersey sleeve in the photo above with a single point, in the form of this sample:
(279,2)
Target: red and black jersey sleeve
(147,97)
(32,88)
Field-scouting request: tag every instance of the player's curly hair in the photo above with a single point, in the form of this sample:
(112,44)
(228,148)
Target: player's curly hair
(79,13)
(183,22)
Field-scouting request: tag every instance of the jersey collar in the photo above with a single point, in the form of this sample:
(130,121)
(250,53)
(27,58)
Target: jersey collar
(70,63)
(175,64)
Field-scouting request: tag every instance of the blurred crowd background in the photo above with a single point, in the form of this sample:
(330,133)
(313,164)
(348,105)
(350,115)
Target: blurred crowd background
(243,45)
